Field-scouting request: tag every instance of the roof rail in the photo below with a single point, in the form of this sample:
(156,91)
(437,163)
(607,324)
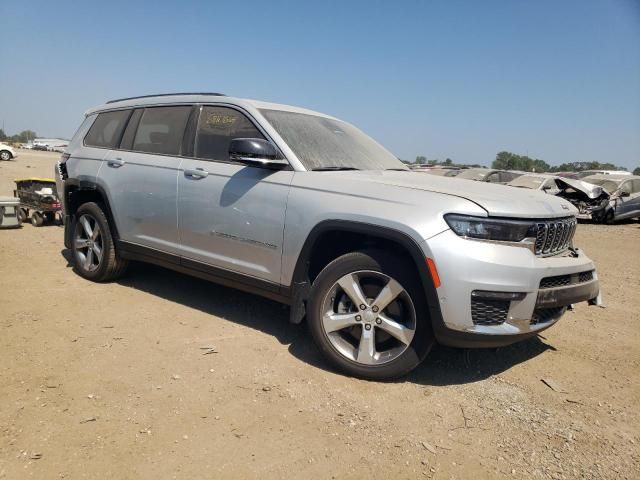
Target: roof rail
(166,95)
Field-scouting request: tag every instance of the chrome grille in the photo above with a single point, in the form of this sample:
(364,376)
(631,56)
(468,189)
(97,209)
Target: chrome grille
(554,236)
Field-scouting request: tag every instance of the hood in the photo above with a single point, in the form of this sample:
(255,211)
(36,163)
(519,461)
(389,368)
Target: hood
(497,200)
(589,189)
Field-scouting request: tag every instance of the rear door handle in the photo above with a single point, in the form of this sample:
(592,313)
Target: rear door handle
(196,174)
(115,162)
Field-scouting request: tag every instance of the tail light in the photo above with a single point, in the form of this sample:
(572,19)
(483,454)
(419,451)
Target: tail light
(62,166)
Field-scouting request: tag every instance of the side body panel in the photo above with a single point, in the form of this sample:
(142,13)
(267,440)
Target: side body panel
(316,197)
(232,216)
(142,192)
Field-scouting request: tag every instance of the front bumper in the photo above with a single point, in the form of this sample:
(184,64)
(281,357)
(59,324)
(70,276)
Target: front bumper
(467,266)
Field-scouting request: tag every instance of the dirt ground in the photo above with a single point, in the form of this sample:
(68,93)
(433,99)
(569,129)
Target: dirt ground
(112,381)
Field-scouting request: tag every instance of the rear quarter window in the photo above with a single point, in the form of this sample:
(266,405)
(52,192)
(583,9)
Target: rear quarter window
(107,129)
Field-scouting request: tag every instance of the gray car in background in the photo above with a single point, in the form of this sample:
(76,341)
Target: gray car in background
(306,209)
(624,193)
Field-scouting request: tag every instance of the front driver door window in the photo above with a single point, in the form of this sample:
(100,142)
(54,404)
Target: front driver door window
(230,216)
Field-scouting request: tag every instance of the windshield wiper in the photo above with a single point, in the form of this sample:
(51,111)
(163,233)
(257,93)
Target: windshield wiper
(333,169)
(398,169)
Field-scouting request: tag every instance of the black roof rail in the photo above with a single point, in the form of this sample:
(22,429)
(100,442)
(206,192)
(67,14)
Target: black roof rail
(166,95)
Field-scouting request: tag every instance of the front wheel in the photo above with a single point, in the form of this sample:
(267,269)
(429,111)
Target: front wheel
(5,155)
(368,315)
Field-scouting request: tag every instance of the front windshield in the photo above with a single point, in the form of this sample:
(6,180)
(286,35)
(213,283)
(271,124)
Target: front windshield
(323,143)
(527,181)
(609,185)
(473,174)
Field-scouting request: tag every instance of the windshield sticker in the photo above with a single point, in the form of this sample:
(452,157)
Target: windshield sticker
(215,120)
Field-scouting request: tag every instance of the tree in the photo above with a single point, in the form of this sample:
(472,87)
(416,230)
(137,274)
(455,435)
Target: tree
(421,159)
(3,136)
(636,171)
(512,161)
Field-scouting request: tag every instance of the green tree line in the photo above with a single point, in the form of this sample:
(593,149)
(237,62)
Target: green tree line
(22,137)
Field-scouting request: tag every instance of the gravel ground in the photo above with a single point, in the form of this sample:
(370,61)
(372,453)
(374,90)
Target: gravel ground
(112,381)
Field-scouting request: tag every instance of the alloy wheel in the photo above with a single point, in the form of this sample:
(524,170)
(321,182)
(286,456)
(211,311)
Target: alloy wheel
(369,317)
(88,243)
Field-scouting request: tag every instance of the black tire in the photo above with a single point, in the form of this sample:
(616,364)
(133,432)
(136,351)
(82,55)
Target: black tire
(50,216)
(5,155)
(23,214)
(396,267)
(37,220)
(110,267)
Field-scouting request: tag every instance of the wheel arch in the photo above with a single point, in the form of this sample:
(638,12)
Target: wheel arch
(78,193)
(320,248)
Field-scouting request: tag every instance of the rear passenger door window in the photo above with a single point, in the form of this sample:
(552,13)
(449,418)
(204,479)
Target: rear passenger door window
(161,129)
(107,129)
(217,126)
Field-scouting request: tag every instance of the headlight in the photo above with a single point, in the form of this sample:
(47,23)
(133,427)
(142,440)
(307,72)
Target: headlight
(501,230)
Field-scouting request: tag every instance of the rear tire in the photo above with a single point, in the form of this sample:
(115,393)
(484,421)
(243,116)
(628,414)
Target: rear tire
(93,247)
(37,220)
(398,333)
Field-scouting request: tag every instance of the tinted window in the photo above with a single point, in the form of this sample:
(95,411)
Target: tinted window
(130,131)
(161,129)
(217,126)
(106,130)
(636,186)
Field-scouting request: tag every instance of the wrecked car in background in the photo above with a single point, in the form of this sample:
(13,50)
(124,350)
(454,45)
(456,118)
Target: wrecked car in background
(488,175)
(537,181)
(601,198)
(624,196)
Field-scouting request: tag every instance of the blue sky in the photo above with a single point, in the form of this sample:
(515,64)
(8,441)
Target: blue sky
(557,80)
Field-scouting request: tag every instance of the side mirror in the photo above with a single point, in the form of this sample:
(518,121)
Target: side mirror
(624,193)
(255,152)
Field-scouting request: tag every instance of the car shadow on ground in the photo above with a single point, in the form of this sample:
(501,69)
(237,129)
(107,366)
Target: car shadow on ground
(443,366)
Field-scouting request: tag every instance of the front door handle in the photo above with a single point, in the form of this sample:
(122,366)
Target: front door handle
(196,174)
(115,162)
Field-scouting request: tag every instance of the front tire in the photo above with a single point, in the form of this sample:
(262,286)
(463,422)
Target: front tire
(368,315)
(93,246)
(5,155)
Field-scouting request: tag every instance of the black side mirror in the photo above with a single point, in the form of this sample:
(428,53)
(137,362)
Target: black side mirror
(624,193)
(255,152)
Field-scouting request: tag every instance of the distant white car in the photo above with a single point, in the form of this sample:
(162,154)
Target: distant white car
(537,181)
(588,173)
(7,152)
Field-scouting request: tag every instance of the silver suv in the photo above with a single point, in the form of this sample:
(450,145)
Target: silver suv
(306,209)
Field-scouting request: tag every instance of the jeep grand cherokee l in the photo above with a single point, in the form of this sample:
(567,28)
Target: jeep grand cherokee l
(306,209)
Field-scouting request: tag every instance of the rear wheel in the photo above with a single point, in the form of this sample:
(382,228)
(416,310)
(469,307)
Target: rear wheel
(368,315)
(93,247)
(37,220)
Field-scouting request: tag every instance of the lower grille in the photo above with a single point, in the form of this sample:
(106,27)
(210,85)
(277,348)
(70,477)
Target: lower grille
(565,280)
(489,312)
(585,276)
(544,315)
